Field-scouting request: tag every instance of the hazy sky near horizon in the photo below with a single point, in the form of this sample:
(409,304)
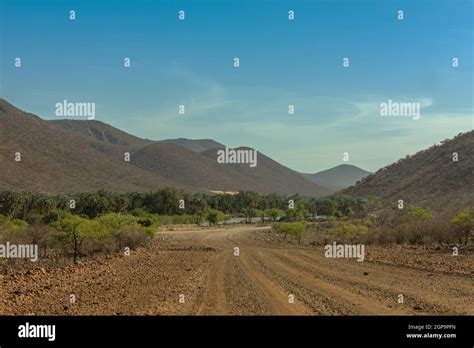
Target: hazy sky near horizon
(282,62)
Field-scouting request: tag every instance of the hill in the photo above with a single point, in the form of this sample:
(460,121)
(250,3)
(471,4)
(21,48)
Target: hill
(54,159)
(173,161)
(76,155)
(272,176)
(337,178)
(430,177)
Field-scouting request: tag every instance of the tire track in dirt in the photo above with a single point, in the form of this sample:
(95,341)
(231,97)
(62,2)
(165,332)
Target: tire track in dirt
(213,298)
(307,301)
(274,294)
(422,293)
(343,296)
(245,297)
(201,265)
(456,283)
(235,287)
(377,287)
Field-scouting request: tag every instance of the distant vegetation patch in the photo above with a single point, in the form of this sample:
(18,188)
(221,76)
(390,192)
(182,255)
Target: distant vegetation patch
(78,225)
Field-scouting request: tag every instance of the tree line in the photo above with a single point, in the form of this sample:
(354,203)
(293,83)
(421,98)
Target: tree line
(41,207)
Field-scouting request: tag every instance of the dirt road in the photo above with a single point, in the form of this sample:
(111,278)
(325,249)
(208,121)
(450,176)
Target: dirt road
(202,273)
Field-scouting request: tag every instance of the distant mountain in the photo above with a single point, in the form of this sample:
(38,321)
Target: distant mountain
(196,145)
(76,155)
(337,178)
(430,177)
(173,161)
(53,159)
(271,176)
(202,170)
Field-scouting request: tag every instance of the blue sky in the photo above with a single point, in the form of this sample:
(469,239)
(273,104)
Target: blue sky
(283,62)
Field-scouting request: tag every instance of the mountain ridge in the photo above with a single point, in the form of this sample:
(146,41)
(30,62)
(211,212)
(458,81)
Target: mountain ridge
(431,177)
(83,155)
(338,177)
(70,156)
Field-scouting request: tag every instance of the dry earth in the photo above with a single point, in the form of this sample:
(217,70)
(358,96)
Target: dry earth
(201,265)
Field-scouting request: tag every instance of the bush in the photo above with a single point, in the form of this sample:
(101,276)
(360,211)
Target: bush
(297,215)
(71,232)
(214,216)
(338,214)
(275,214)
(434,230)
(133,237)
(172,219)
(33,218)
(345,231)
(145,222)
(139,212)
(107,233)
(296,229)
(52,216)
(12,225)
(417,213)
(464,223)
(42,235)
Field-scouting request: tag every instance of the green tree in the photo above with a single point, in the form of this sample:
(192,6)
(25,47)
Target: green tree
(122,203)
(418,213)
(92,204)
(248,201)
(116,224)
(197,208)
(296,229)
(214,216)
(42,203)
(11,203)
(275,213)
(71,232)
(263,204)
(325,206)
(464,222)
(298,214)
(346,231)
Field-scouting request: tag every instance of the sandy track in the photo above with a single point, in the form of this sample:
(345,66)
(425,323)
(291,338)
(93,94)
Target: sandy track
(197,273)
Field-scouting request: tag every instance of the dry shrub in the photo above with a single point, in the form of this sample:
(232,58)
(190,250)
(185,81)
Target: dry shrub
(422,232)
(103,244)
(133,237)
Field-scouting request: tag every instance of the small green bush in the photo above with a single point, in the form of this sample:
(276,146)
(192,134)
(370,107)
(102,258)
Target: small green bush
(295,229)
